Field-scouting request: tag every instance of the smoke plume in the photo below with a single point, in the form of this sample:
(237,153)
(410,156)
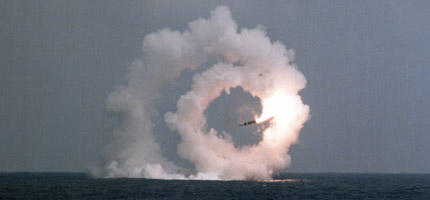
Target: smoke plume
(244,58)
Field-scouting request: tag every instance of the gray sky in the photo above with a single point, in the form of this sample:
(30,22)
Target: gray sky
(366,62)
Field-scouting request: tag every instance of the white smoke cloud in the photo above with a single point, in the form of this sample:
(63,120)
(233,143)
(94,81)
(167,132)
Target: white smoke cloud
(264,70)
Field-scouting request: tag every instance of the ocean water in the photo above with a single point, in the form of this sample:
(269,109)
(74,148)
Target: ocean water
(285,186)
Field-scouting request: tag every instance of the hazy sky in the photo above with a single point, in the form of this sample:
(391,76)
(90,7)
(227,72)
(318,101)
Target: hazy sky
(366,62)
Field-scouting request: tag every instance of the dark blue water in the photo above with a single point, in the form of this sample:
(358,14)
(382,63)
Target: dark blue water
(286,186)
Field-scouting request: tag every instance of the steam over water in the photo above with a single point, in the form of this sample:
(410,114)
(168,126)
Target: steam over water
(245,58)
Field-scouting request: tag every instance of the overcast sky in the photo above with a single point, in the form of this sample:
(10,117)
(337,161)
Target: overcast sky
(366,62)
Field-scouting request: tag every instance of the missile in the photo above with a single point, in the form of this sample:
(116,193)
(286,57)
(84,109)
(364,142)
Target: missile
(248,123)
(254,122)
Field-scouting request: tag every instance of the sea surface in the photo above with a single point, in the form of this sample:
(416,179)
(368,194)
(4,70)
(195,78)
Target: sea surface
(285,186)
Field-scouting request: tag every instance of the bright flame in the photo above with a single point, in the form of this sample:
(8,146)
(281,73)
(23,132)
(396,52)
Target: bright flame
(278,106)
(282,108)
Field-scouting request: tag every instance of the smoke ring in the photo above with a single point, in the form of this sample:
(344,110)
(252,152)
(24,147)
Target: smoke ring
(220,155)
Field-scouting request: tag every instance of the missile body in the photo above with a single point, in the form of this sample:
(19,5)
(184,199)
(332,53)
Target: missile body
(248,123)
